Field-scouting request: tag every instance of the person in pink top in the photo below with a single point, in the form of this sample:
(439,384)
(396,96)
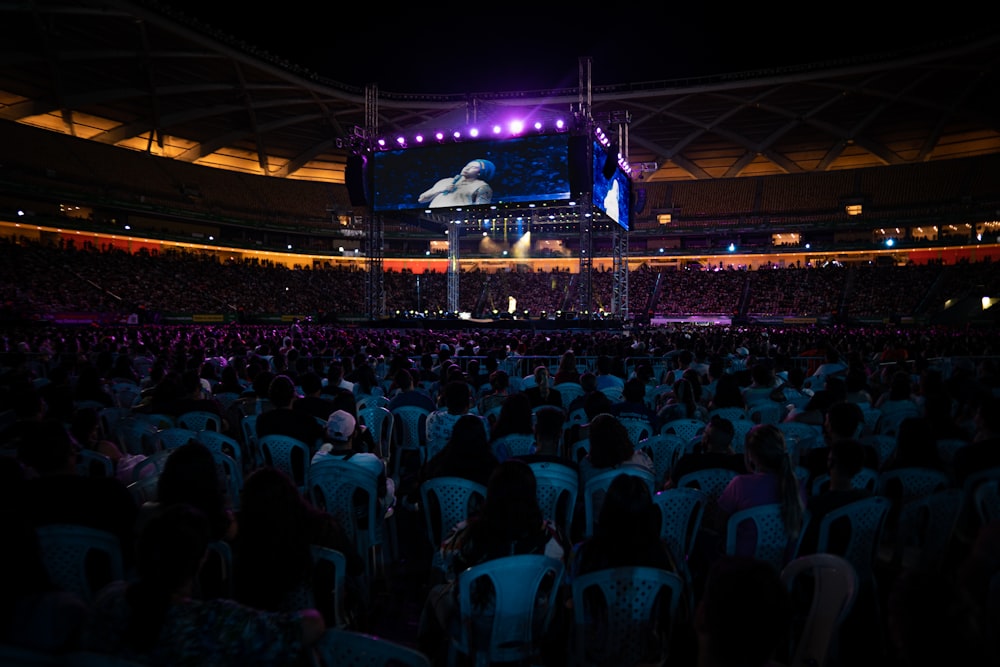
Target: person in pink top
(771,479)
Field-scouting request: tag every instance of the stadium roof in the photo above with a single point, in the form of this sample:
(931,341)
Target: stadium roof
(141,76)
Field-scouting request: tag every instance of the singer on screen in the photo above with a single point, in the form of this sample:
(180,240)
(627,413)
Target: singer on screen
(468,188)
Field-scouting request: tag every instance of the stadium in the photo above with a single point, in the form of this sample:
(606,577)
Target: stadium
(176,197)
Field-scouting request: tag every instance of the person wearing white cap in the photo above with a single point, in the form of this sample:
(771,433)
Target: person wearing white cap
(739,361)
(340,432)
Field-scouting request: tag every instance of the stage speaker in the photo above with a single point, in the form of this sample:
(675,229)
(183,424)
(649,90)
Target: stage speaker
(578,156)
(356,179)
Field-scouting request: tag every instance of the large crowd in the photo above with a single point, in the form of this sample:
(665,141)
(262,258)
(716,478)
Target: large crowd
(39,279)
(497,402)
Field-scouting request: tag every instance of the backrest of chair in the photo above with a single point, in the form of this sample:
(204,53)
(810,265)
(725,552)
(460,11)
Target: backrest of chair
(80,559)
(865,479)
(232,477)
(623,615)
(712,481)
(911,482)
(871,415)
(741,427)
(638,429)
(349,492)
(596,488)
(410,426)
(891,418)
(175,436)
(215,577)
(772,540)
(732,414)
(766,412)
(151,466)
(568,391)
(524,588)
(91,463)
(126,394)
(799,436)
(329,580)
(109,418)
(224,444)
(946,448)
(380,423)
(557,487)
(579,449)
(446,501)
(613,392)
(248,427)
(828,586)
(926,526)
(143,490)
(288,454)
(883,445)
(664,450)
(685,428)
(681,511)
(351,648)
(517,444)
(373,400)
(136,435)
(987,500)
(867,519)
(200,420)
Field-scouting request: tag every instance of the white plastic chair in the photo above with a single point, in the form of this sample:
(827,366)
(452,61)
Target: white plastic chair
(828,585)
(624,615)
(524,600)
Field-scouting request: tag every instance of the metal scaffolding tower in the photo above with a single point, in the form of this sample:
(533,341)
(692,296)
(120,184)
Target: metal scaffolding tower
(619,261)
(453,271)
(373,224)
(585,293)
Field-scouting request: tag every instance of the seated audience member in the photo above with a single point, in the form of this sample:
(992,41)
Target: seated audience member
(57,493)
(499,391)
(542,393)
(312,401)
(770,479)
(190,476)
(192,397)
(467,454)
(515,418)
(627,532)
(984,450)
(510,522)
(845,460)
(714,451)
(633,404)
(156,619)
(932,621)
(286,419)
(610,448)
(407,393)
(34,613)
(744,616)
(272,554)
(457,402)
(595,404)
(548,430)
(341,431)
(588,382)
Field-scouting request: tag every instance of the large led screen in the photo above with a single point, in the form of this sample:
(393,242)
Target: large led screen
(473,173)
(612,187)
